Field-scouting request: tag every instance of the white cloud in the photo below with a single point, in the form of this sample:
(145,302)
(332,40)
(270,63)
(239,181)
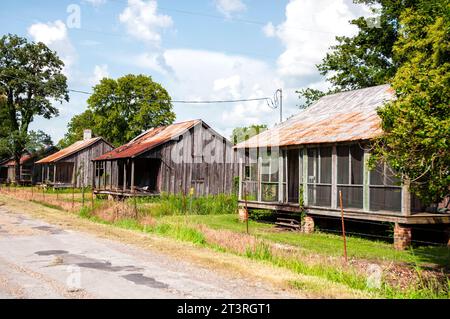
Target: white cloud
(48,33)
(269,30)
(143,21)
(154,61)
(55,36)
(100,72)
(308,31)
(207,75)
(95,3)
(229,7)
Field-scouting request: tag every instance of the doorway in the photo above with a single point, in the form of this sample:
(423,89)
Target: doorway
(293,175)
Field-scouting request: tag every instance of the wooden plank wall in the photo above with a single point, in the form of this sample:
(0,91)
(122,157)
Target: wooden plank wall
(83,161)
(201,159)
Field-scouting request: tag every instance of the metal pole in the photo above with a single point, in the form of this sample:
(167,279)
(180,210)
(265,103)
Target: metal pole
(343,226)
(281,105)
(246,207)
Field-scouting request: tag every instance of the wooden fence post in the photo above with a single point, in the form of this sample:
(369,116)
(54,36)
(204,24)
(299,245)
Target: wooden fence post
(343,226)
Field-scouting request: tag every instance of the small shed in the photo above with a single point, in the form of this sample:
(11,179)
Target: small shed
(306,161)
(72,166)
(30,173)
(172,159)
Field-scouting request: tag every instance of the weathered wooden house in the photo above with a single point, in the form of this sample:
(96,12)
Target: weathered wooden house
(171,159)
(308,159)
(30,173)
(72,166)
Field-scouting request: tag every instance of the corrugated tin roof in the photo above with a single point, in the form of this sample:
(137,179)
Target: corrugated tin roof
(72,149)
(25,158)
(148,140)
(345,116)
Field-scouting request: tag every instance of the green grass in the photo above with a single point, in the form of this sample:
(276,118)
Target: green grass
(168,204)
(177,217)
(324,243)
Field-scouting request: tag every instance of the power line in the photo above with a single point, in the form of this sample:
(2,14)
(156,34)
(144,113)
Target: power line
(222,18)
(267,99)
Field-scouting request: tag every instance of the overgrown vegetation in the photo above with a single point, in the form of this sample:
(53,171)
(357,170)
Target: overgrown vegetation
(318,255)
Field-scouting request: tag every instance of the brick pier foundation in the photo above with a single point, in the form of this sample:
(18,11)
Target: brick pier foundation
(402,237)
(308,225)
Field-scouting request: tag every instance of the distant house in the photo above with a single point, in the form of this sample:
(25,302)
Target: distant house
(29,171)
(172,159)
(72,166)
(322,151)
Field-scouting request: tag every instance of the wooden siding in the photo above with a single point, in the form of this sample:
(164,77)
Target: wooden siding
(82,164)
(200,159)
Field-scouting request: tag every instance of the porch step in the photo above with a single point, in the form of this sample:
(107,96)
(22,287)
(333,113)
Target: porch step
(288,223)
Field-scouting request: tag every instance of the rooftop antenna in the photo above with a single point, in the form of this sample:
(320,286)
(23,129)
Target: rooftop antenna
(277,102)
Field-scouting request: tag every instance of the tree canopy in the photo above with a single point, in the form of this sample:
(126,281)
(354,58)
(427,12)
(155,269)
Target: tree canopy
(365,59)
(38,141)
(31,80)
(119,110)
(75,128)
(417,124)
(241,134)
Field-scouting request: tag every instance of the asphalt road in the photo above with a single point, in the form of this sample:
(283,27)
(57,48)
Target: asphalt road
(39,260)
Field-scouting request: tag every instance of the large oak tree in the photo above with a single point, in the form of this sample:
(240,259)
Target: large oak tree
(31,81)
(121,109)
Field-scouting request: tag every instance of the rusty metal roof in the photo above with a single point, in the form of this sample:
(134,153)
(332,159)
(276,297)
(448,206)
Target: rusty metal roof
(25,158)
(69,150)
(340,117)
(148,140)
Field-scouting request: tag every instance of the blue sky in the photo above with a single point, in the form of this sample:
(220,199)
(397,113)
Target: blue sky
(199,49)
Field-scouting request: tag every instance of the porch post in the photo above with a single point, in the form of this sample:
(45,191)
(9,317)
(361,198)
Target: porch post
(54,174)
(94,171)
(105,165)
(305,176)
(406,198)
(280,176)
(125,175)
(366,176)
(259,176)
(42,173)
(241,180)
(334,177)
(132,175)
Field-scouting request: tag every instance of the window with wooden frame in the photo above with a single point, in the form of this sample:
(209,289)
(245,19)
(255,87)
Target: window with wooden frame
(385,189)
(250,178)
(270,174)
(99,169)
(319,176)
(350,174)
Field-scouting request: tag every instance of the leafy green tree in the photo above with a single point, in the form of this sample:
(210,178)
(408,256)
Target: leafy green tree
(310,96)
(4,127)
(76,126)
(366,59)
(241,134)
(31,79)
(417,124)
(38,141)
(125,107)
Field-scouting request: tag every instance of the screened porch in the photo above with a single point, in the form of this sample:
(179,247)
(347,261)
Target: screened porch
(313,176)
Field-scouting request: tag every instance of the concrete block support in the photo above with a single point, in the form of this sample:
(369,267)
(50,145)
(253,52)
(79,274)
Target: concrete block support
(308,225)
(402,236)
(243,214)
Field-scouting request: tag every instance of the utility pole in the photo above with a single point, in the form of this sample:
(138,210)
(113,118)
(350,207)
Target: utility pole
(281,104)
(277,102)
